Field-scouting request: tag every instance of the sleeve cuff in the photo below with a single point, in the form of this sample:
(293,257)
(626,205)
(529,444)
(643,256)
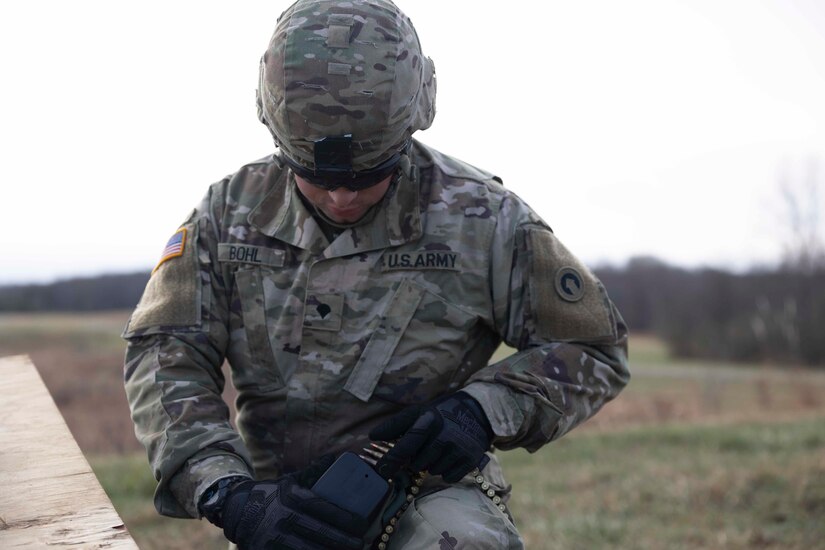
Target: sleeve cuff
(197,475)
(499,405)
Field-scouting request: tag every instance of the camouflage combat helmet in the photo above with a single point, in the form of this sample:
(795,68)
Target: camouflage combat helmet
(344,84)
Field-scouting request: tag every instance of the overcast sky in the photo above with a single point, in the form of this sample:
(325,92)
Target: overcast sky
(656,127)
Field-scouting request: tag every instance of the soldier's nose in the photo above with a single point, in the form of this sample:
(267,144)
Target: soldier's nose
(342,196)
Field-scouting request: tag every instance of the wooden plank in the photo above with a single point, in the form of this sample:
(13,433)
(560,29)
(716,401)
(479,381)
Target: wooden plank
(49,495)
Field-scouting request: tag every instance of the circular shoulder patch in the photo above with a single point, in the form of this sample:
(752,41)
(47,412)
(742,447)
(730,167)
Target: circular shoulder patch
(569,284)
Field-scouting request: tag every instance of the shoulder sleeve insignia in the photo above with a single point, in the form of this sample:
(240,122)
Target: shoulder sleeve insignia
(569,284)
(174,247)
(569,302)
(174,298)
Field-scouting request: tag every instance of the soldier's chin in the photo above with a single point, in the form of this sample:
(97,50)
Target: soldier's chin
(344,215)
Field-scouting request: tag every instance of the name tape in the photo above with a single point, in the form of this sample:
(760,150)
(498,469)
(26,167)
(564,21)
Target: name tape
(425,259)
(248,254)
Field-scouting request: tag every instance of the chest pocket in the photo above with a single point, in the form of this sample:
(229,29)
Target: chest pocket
(415,350)
(261,371)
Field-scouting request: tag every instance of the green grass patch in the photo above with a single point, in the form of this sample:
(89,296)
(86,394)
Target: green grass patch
(736,486)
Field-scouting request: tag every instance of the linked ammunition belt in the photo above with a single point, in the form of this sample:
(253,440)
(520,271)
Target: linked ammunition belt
(414,488)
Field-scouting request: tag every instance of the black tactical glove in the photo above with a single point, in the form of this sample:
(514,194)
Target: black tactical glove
(284,514)
(447,437)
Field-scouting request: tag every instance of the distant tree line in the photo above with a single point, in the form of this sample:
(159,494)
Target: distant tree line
(773,315)
(81,294)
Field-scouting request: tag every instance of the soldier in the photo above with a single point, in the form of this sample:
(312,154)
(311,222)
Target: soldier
(358,282)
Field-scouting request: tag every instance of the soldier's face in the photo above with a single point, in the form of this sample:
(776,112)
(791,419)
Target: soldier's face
(342,205)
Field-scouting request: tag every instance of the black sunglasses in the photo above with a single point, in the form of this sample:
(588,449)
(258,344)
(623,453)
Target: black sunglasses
(333,166)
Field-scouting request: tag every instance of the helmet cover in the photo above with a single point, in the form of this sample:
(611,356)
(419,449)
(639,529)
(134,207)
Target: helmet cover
(345,68)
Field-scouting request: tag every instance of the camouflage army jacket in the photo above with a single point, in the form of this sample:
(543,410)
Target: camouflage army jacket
(325,340)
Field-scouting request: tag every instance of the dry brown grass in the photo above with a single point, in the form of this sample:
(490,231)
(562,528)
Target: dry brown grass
(80,358)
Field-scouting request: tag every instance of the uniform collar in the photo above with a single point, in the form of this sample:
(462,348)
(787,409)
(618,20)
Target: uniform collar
(282,215)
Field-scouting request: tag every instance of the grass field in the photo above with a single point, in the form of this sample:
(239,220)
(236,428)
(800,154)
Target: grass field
(691,455)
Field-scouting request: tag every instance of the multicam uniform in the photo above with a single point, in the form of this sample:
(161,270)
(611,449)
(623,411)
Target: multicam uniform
(326,340)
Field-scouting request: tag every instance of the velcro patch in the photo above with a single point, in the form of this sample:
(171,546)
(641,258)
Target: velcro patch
(173,295)
(423,259)
(338,34)
(248,254)
(339,68)
(174,247)
(569,302)
(323,311)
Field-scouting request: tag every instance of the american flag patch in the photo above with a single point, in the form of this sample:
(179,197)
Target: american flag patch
(174,247)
